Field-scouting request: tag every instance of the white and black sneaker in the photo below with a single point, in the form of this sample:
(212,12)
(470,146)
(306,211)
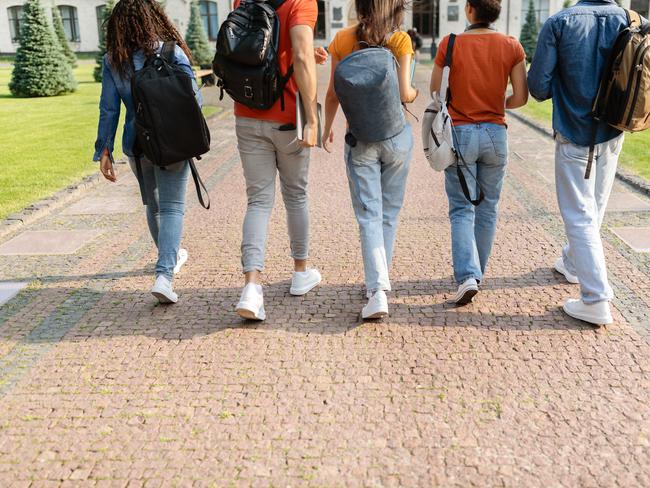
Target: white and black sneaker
(251,303)
(466,292)
(162,290)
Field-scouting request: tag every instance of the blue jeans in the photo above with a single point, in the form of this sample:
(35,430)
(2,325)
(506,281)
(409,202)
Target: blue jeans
(485,149)
(582,205)
(164,194)
(377,175)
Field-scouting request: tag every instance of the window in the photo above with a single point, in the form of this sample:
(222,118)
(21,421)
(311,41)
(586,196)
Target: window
(425,17)
(540,9)
(15,22)
(210,16)
(100,10)
(70,22)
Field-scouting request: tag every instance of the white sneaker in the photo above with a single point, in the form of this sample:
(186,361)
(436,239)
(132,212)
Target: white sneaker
(251,303)
(162,290)
(595,313)
(377,306)
(181,259)
(560,268)
(304,281)
(466,291)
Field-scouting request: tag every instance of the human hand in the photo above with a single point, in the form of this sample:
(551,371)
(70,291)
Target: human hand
(320,55)
(328,138)
(106,167)
(310,135)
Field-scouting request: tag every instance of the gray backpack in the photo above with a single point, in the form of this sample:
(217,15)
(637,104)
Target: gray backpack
(367,87)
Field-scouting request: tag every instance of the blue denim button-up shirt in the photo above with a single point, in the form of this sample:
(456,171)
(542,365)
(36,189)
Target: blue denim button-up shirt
(116,90)
(571,53)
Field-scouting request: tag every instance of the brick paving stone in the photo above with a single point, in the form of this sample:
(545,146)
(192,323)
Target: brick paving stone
(48,242)
(99,386)
(638,238)
(103,205)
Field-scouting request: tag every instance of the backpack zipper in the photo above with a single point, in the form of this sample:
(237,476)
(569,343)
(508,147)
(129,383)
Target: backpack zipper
(638,85)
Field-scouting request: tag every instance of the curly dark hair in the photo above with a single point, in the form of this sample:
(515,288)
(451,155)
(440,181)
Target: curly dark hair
(138,24)
(487,11)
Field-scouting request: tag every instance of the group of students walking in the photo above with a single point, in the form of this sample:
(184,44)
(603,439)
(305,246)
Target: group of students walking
(570,58)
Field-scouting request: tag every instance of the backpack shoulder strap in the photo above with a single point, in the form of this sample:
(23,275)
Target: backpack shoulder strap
(276,4)
(633,18)
(450,49)
(167,51)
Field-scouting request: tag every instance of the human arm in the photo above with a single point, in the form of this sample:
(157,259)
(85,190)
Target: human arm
(542,69)
(109,116)
(331,107)
(436,79)
(304,68)
(407,93)
(519,96)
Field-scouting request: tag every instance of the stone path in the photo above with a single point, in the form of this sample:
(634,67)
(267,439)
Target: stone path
(99,386)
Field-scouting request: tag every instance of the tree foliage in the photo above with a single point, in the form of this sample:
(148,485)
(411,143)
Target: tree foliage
(60,34)
(40,68)
(196,38)
(101,49)
(529,32)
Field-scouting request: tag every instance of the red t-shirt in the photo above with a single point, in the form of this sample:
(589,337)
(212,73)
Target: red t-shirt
(480,69)
(291,13)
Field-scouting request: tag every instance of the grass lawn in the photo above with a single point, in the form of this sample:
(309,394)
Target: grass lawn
(48,143)
(636,149)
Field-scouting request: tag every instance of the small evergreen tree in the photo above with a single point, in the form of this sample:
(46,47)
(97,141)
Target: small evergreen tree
(99,60)
(196,38)
(567,4)
(40,67)
(529,31)
(63,40)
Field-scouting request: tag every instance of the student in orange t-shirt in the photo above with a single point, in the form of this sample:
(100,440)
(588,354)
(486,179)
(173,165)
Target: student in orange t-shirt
(268,145)
(377,171)
(482,63)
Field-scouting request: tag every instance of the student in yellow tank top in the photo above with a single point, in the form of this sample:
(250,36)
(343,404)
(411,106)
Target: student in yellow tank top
(377,171)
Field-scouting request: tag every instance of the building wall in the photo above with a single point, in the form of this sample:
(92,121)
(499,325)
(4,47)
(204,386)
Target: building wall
(178,10)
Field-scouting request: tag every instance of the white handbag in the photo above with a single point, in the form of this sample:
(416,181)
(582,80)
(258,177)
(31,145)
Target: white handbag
(437,133)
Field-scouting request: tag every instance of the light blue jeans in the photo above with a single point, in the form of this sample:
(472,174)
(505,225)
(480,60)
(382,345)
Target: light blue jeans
(582,205)
(164,194)
(485,149)
(377,175)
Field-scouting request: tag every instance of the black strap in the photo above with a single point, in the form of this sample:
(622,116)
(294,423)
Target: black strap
(283,83)
(463,182)
(138,169)
(592,148)
(198,183)
(450,49)
(167,52)
(276,4)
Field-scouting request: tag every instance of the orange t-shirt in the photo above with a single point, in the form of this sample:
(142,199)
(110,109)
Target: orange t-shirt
(291,13)
(345,41)
(480,69)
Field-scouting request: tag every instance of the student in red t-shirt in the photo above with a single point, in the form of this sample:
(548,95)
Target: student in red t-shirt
(267,146)
(483,62)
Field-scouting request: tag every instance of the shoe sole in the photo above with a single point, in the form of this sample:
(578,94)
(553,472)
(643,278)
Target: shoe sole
(162,298)
(589,320)
(467,297)
(249,314)
(573,282)
(376,315)
(303,291)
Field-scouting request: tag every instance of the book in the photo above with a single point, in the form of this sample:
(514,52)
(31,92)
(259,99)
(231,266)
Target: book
(301,121)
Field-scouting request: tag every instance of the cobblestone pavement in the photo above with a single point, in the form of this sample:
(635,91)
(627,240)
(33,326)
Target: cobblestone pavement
(99,386)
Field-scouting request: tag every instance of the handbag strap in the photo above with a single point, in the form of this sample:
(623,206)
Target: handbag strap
(461,177)
(445,93)
(200,187)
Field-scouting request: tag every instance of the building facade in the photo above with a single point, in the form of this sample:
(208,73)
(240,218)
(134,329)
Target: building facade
(434,19)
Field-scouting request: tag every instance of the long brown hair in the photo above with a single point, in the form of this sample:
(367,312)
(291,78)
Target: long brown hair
(138,24)
(377,19)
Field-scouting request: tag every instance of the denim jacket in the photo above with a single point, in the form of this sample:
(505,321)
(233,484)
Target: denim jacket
(116,90)
(571,53)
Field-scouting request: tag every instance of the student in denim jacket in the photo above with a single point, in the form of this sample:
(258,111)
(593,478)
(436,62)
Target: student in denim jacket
(571,53)
(136,30)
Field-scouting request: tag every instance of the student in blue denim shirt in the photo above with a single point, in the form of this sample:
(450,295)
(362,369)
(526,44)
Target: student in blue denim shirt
(135,30)
(572,50)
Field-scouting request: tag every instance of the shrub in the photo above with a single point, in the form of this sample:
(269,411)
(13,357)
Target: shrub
(101,49)
(60,34)
(529,31)
(40,69)
(196,38)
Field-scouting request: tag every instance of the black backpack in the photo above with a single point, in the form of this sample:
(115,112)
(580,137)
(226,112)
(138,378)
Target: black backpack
(168,121)
(246,61)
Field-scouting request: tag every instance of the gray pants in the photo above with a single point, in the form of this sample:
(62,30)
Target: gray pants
(265,150)
(582,205)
